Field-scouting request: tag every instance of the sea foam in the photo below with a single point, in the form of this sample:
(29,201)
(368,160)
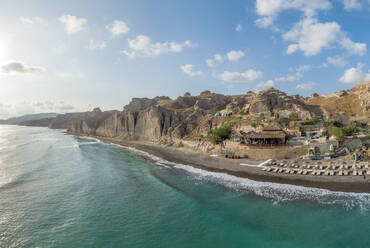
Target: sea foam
(277,192)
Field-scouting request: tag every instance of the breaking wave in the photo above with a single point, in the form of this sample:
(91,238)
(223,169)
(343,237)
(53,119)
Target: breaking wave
(277,192)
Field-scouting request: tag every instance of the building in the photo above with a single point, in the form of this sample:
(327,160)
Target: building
(272,134)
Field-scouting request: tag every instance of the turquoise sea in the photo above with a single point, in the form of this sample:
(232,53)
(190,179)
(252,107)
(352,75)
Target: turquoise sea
(58,190)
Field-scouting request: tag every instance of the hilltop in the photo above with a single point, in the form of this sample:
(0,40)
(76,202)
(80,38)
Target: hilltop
(353,104)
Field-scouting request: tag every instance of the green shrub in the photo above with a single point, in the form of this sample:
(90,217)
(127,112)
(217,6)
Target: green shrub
(303,151)
(350,129)
(262,116)
(311,121)
(337,132)
(293,116)
(213,111)
(335,123)
(219,134)
(241,112)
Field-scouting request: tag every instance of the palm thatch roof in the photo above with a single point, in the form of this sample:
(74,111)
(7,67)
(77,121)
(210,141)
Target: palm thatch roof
(274,126)
(266,135)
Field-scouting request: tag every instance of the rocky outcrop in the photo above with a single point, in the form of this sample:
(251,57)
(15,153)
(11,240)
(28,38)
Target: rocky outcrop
(162,118)
(353,103)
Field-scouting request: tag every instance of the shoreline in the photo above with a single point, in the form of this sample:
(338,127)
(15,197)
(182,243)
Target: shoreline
(354,184)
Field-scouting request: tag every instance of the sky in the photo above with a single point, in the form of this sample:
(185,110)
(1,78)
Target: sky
(67,56)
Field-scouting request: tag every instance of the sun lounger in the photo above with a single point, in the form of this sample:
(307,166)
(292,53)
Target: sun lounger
(326,173)
(359,173)
(332,173)
(305,172)
(340,173)
(287,171)
(275,170)
(345,173)
(355,172)
(368,172)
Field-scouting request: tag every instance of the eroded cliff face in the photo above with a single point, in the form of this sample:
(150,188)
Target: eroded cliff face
(186,116)
(353,104)
(151,119)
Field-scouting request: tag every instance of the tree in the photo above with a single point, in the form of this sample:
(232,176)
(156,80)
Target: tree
(262,116)
(311,121)
(219,134)
(338,133)
(350,129)
(293,116)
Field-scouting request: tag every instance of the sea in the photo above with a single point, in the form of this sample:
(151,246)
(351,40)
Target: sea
(59,190)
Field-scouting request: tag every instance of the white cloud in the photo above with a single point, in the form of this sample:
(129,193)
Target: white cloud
(93,45)
(290,78)
(351,5)
(17,67)
(306,86)
(355,75)
(32,20)
(234,55)
(217,59)
(354,47)
(188,69)
(22,108)
(143,46)
(311,37)
(265,85)
(118,28)
(337,61)
(239,28)
(270,9)
(264,22)
(72,24)
(241,77)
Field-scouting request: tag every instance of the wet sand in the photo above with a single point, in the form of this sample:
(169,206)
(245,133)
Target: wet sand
(233,167)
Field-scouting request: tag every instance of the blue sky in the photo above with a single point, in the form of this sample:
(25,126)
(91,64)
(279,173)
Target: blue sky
(68,56)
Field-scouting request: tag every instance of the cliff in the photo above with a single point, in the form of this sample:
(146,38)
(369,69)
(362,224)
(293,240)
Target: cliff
(162,118)
(353,104)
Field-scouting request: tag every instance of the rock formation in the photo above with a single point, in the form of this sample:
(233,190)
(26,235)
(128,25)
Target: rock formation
(162,118)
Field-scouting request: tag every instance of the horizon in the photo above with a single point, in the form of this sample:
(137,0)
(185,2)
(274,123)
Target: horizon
(74,56)
(107,110)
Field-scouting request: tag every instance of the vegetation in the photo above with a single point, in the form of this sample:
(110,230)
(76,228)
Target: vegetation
(338,133)
(350,129)
(262,116)
(219,134)
(293,116)
(311,121)
(241,112)
(303,151)
(213,111)
(335,123)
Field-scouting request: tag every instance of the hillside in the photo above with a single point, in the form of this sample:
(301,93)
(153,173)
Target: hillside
(353,103)
(26,118)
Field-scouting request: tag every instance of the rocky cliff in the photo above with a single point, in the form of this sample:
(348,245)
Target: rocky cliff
(353,104)
(187,116)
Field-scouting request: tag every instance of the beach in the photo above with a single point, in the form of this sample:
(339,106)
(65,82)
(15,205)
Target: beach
(245,168)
